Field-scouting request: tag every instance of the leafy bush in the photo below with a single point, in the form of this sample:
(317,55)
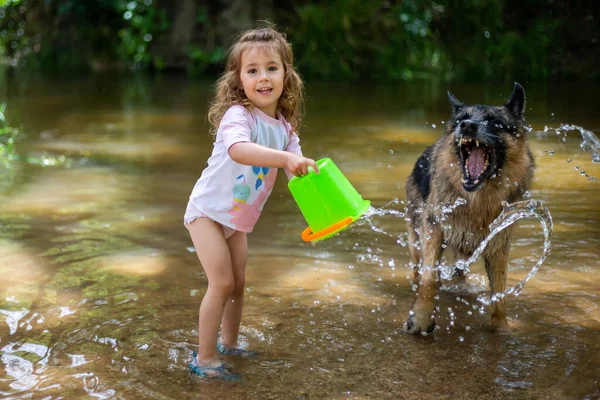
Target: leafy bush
(7,139)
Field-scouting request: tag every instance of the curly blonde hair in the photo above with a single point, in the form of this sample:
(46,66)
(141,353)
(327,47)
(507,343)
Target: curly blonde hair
(229,89)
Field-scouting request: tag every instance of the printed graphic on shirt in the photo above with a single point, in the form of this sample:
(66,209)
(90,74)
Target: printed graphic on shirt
(241,191)
(260,172)
(242,212)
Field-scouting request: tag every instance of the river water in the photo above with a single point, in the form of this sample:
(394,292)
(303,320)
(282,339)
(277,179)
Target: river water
(100,286)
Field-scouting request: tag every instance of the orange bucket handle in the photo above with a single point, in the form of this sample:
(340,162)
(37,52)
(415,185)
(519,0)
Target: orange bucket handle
(309,236)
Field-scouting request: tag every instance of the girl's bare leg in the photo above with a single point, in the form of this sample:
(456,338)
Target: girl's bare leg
(238,248)
(213,252)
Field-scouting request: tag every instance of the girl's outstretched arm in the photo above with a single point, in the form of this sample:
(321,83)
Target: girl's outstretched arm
(255,154)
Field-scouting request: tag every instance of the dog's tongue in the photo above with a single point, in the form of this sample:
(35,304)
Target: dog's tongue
(476,162)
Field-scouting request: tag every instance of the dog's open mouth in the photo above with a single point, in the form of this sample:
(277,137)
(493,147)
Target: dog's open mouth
(477,160)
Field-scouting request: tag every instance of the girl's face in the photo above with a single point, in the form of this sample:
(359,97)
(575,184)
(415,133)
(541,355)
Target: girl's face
(262,78)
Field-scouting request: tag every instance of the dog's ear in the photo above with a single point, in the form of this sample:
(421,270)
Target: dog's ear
(456,104)
(516,103)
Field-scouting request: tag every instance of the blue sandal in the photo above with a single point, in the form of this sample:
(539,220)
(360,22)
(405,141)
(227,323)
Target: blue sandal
(222,371)
(236,351)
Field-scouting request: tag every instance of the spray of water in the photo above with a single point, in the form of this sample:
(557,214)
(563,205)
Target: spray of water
(509,215)
(367,217)
(590,143)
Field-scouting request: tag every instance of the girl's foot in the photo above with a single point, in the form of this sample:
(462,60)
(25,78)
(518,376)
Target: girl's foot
(220,371)
(234,351)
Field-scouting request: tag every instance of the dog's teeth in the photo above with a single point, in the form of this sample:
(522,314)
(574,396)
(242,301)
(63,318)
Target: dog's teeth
(476,181)
(477,143)
(463,180)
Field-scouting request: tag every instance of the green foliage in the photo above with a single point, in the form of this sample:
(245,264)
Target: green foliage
(354,39)
(142,22)
(483,39)
(16,39)
(73,34)
(332,39)
(8,135)
(203,58)
(4,3)
(448,39)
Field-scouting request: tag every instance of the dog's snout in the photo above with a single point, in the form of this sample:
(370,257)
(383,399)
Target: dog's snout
(468,128)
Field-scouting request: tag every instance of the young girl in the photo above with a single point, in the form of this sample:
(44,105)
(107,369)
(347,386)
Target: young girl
(256,113)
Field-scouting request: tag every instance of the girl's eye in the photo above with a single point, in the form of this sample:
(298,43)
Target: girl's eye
(272,69)
(252,71)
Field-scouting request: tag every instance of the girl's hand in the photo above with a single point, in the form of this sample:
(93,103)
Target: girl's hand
(298,165)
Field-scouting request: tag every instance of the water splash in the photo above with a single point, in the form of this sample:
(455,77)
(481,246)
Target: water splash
(372,211)
(367,217)
(590,143)
(510,214)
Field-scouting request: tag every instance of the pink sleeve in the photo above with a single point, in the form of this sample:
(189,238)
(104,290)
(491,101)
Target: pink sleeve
(235,126)
(293,147)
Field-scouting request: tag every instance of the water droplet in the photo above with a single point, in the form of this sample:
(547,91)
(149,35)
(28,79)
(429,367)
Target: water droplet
(391,151)
(433,126)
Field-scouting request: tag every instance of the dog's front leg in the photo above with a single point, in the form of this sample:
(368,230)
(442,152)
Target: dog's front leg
(421,318)
(496,265)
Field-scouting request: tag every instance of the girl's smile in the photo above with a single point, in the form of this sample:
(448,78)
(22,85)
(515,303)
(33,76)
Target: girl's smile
(261,76)
(265,91)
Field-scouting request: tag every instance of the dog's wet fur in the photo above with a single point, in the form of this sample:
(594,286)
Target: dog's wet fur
(483,158)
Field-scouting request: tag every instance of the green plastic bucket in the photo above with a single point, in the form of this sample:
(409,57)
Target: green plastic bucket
(327,200)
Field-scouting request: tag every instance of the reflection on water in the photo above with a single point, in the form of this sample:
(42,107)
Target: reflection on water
(100,291)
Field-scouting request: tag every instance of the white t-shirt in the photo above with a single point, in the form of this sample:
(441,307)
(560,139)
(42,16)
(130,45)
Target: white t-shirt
(234,194)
